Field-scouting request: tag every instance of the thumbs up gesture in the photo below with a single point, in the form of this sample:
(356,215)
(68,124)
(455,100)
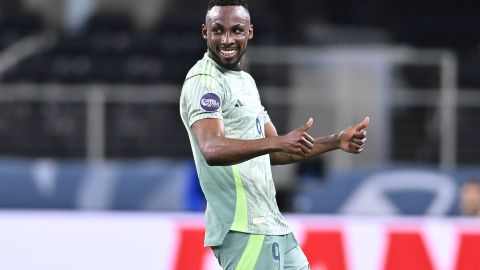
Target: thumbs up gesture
(352,139)
(298,141)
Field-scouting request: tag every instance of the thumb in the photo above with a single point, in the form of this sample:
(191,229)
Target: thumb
(363,124)
(308,125)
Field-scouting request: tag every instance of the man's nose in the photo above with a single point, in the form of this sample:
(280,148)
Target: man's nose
(227,38)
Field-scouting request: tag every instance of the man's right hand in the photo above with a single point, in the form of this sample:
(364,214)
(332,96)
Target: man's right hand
(297,141)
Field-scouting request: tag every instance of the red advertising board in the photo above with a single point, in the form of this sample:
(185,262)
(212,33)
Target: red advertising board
(334,243)
(121,241)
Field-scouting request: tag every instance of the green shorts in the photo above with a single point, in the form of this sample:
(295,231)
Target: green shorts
(242,251)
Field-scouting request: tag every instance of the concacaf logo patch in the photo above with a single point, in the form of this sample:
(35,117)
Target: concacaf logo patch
(210,102)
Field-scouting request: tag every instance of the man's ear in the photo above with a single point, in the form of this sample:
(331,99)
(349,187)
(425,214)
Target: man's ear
(204,31)
(250,32)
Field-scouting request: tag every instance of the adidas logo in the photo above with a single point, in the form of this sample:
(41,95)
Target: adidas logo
(239,103)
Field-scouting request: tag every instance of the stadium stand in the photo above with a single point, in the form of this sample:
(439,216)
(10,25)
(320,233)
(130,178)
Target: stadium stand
(111,50)
(15,25)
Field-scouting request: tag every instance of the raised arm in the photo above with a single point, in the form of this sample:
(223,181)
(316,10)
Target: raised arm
(350,140)
(219,150)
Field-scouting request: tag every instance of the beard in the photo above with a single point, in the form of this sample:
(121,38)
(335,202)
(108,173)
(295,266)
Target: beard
(233,64)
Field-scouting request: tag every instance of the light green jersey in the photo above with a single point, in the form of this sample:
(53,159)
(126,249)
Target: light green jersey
(240,197)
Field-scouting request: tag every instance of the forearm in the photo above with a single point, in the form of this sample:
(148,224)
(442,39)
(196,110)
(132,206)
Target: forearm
(321,145)
(227,151)
(325,144)
(219,150)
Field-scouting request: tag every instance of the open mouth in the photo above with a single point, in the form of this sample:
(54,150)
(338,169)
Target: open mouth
(228,53)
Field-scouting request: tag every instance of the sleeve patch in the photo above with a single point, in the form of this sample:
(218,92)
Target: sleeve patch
(210,102)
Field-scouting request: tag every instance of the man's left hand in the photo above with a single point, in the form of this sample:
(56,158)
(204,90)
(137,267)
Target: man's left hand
(352,139)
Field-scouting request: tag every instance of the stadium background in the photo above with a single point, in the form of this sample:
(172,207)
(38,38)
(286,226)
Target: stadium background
(96,170)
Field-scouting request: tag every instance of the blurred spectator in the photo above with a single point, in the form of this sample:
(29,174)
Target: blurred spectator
(470,198)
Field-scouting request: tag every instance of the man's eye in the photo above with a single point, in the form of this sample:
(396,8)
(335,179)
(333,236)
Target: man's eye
(239,31)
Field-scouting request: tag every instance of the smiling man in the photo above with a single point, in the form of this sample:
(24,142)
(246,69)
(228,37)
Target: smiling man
(229,49)
(234,143)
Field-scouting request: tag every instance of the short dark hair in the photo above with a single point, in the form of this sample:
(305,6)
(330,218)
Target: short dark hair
(213,3)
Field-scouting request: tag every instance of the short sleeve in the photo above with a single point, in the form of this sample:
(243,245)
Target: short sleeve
(203,98)
(265,116)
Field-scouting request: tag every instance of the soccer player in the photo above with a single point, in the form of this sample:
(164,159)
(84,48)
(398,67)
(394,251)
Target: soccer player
(234,143)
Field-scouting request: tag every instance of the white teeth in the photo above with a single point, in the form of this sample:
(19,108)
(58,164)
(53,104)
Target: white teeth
(228,53)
